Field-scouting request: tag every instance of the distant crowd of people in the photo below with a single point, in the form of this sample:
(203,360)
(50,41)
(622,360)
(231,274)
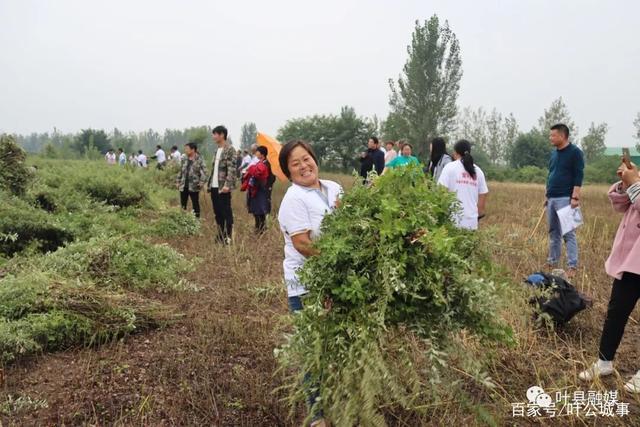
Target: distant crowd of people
(140,159)
(457,172)
(253,171)
(250,167)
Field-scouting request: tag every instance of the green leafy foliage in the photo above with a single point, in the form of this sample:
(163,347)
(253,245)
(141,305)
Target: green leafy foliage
(92,139)
(336,139)
(423,100)
(14,174)
(77,267)
(112,194)
(33,228)
(531,149)
(45,312)
(593,144)
(602,170)
(394,267)
(248,134)
(122,261)
(175,222)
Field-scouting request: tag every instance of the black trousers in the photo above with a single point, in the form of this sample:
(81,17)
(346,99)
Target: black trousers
(222,211)
(261,223)
(269,191)
(195,201)
(624,295)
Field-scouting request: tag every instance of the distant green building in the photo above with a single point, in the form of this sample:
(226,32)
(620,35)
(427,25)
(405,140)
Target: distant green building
(617,151)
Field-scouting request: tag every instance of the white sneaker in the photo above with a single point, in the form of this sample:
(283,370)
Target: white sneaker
(633,385)
(601,368)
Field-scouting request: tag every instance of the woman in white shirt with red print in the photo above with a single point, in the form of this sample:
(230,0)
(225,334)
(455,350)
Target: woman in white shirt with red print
(467,180)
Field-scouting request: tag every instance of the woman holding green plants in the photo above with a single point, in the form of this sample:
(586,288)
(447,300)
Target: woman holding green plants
(303,207)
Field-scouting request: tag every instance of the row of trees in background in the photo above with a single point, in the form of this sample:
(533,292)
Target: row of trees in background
(423,105)
(498,140)
(337,139)
(499,145)
(93,143)
(248,135)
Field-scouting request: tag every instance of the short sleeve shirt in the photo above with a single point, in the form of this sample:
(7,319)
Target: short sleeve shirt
(467,190)
(302,210)
(161,156)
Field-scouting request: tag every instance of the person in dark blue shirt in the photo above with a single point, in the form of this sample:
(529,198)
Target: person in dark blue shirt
(372,159)
(566,171)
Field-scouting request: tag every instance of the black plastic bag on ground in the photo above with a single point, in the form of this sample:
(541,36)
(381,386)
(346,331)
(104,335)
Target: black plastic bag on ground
(564,301)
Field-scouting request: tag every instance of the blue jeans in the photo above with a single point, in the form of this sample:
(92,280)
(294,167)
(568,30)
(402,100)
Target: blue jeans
(295,304)
(556,237)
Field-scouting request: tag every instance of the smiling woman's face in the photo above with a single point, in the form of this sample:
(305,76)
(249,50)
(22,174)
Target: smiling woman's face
(302,168)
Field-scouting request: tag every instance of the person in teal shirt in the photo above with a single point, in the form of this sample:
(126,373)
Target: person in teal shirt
(404,159)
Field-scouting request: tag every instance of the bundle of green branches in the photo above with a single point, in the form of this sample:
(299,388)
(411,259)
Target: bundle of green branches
(47,312)
(395,268)
(14,174)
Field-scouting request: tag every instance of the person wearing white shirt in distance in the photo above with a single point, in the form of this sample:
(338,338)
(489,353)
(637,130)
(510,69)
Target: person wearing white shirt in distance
(175,156)
(160,156)
(246,159)
(141,159)
(467,180)
(110,157)
(122,158)
(303,207)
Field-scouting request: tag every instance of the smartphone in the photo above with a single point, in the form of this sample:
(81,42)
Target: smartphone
(626,157)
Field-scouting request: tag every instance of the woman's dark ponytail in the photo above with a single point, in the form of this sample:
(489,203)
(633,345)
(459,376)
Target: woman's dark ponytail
(438,150)
(463,148)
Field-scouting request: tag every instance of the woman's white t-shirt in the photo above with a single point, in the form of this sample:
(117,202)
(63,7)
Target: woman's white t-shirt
(302,209)
(467,189)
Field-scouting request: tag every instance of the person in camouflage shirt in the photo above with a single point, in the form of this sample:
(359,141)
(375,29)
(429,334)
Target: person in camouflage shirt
(221,182)
(191,178)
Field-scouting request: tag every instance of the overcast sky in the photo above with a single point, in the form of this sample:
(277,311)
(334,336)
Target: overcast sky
(172,64)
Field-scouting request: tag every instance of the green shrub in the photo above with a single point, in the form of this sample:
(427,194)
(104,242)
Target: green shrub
(113,192)
(33,228)
(22,295)
(531,174)
(166,177)
(122,262)
(90,220)
(602,171)
(14,174)
(46,312)
(176,222)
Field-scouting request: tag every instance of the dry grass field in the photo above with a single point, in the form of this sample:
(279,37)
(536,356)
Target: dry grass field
(215,365)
